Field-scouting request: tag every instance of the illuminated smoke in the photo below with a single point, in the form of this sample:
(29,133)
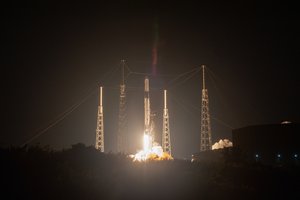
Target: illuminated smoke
(222,144)
(151,151)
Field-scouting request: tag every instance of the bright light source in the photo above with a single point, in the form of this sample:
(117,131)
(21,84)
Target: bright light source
(256,155)
(296,156)
(286,122)
(278,156)
(151,151)
(147,142)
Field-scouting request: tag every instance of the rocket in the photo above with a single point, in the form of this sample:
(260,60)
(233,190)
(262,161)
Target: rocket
(147,107)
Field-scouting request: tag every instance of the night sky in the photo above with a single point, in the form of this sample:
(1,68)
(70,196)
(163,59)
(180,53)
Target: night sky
(55,55)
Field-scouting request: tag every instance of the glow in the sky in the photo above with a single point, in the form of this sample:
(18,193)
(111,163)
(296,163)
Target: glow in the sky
(155,49)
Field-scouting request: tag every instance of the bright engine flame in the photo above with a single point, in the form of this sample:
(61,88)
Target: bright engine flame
(147,142)
(152,151)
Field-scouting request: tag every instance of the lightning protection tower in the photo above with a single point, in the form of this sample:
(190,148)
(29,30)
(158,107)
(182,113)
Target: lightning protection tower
(121,138)
(100,126)
(166,142)
(205,143)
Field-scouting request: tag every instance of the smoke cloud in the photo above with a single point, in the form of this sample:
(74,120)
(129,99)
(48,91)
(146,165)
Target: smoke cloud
(222,144)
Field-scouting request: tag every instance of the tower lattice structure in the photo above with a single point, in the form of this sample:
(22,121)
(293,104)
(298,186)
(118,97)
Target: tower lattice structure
(122,128)
(205,143)
(166,139)
(100,126)
(152,125)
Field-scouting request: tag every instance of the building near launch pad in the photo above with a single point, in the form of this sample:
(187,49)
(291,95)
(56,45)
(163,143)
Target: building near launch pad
(272,144)
(268,143)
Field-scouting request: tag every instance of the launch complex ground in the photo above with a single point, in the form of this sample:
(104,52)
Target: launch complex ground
(151,145)
(152,149)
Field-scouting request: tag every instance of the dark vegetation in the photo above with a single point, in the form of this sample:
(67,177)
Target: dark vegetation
(82,172)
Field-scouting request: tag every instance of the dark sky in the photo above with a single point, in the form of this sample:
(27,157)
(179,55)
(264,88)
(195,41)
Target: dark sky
(55,54)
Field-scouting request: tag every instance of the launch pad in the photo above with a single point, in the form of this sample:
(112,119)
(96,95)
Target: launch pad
(151,148)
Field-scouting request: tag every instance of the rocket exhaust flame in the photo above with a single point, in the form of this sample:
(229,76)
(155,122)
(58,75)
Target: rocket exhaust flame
(150,152)
(147,143)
